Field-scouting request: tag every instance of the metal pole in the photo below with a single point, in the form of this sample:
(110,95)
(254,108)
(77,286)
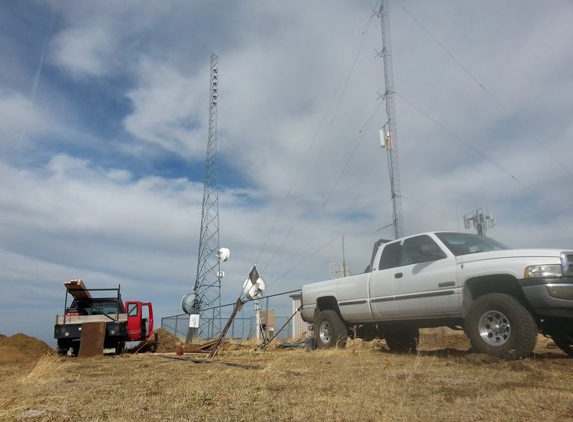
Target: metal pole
(237,308)
(267,322)
(392,147)
(343,259)
(258,320)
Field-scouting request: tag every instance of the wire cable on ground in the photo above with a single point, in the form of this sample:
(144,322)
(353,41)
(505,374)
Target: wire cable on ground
(359,230)
(493,97)
(483,155)
(363,131)
(364,33)
(265,297)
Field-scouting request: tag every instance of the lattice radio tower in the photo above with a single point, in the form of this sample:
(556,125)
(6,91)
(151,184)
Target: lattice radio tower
(207,289)
(389,135)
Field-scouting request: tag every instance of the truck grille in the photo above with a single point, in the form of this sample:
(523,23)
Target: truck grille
(567,261)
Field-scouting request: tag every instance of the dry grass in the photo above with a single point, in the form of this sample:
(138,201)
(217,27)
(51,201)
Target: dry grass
(363,382)
(45,369)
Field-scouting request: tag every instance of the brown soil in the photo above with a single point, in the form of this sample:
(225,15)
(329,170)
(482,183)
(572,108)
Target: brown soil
(440,338)
(167,342)
(445,338)
(21,348)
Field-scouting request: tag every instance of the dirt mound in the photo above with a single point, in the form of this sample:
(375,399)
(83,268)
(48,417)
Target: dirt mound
(439,338)
(167,342)
(22,348)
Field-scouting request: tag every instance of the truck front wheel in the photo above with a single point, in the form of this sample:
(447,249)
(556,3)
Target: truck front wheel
(498,325)
(329,330)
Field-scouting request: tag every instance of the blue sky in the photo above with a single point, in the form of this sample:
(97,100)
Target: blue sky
(103,132)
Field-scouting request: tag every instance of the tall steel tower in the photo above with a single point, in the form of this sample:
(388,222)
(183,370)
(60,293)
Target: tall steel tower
(207,289)
(390,137)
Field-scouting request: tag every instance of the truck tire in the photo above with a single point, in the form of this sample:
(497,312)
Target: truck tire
(403,341)
(63,347)
(498,325)
(329,330)
(564,342)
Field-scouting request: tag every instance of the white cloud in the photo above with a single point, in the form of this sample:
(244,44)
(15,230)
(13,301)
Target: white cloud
(86,50)
(166,109)
(19,119)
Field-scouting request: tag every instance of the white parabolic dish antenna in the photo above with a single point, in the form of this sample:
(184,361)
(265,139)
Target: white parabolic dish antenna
(254,291)
(223,254)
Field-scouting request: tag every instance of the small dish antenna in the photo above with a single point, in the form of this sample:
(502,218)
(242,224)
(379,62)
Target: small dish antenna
(254,286)
(223,254)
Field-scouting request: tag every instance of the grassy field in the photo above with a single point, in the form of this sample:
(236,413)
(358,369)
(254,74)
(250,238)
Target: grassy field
(363,382)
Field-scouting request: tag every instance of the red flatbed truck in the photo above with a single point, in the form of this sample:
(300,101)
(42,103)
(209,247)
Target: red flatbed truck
(95,320)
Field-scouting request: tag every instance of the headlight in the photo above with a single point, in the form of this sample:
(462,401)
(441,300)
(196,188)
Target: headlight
(552,270)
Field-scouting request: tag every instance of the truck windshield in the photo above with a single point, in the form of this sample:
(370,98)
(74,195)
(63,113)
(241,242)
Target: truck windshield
(466,243)
(95,306)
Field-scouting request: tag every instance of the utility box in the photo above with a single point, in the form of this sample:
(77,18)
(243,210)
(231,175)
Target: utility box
(268,322)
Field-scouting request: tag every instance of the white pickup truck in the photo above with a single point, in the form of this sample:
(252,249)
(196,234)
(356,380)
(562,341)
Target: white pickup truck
(501,297)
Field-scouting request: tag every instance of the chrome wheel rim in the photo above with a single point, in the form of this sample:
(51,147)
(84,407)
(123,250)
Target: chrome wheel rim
(324,332)
(494,328)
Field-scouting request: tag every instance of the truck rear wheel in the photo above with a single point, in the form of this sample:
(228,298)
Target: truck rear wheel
(403,341)
(329,330)
(498,325)
(564,342)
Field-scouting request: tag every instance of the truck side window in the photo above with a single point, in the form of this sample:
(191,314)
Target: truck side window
(132,309)
(420,249)
(390,256)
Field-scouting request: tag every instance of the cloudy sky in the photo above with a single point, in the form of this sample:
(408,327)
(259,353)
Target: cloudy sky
(103,133)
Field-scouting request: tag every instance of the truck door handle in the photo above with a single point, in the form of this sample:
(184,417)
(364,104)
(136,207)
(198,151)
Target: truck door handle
(398,275)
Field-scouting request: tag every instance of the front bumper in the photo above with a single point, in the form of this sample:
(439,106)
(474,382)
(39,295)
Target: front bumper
(74,331)
(550,297)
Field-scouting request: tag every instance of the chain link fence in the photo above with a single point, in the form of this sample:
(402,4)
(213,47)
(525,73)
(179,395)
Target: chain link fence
(241,328)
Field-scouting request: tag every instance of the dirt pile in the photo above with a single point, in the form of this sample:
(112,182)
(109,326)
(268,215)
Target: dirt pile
(439,338)
(167,342)
(21,348)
